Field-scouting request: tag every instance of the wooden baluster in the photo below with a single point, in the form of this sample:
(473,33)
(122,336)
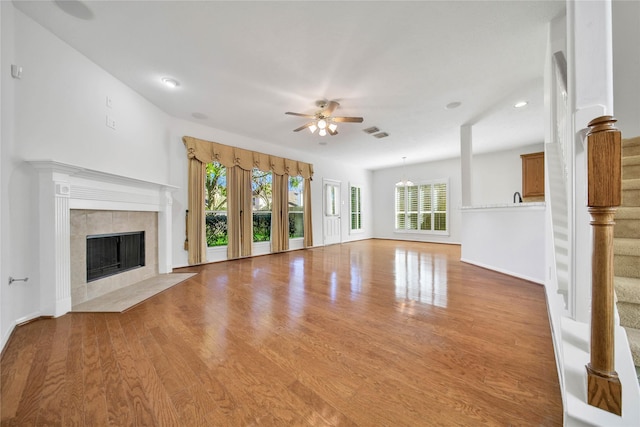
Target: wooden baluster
(604,195)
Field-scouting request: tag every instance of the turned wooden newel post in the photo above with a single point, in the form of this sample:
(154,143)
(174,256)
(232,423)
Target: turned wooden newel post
(605,194)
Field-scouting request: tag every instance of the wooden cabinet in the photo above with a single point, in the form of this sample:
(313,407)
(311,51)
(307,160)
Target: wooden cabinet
(533,177)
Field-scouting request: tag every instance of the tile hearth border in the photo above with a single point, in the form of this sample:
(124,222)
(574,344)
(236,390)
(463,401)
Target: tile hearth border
(129,296)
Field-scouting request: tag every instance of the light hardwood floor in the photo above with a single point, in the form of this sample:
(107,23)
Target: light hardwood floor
(368,333)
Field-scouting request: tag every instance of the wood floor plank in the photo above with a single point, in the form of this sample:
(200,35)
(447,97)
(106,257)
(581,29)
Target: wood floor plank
(373,332)
(54,385)
(73,411)
(16,367)
(119,409)
(27,412)
(95,405)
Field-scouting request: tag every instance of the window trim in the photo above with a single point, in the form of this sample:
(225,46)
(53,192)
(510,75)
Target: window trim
(405,230)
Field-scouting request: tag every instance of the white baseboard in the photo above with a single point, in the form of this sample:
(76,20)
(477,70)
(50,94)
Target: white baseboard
(12,327)
(503,271)
(7,335)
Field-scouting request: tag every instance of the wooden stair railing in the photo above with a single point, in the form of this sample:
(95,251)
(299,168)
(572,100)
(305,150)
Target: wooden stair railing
(604,158)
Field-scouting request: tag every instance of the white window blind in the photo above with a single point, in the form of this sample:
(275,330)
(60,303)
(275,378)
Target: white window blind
(422,207)
(356,208)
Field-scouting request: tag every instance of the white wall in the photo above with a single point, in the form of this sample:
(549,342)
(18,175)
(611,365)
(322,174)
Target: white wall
(57,111)
(5,54)
(626,66)
(510,240)
(61,111)
(20,300)
(497,176)
(383,204)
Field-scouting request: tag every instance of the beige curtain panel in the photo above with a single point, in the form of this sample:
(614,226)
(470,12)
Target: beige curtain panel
(239,163)
(207,152)
(308,229)
(280,213)
(195,230)
(239,213)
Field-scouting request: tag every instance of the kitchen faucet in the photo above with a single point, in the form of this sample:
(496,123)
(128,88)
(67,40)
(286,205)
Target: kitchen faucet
(519,199)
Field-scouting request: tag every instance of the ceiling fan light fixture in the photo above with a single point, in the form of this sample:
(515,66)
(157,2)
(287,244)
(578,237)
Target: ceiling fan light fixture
(323,120)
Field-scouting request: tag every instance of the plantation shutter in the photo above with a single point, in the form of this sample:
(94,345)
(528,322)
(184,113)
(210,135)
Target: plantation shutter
(425,207)
(356,217)
(400,208)
(422,207)
(412,207)
(440,207)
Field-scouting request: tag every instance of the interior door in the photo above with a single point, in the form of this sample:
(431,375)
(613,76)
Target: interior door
(332,212)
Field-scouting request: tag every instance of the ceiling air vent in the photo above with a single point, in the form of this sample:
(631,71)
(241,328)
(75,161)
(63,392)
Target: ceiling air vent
(381,135)
(372,129)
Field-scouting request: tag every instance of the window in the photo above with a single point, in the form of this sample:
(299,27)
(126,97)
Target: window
(296,208)
(261,187)
(332,208)
(356,208)
(422,207)
(216,204)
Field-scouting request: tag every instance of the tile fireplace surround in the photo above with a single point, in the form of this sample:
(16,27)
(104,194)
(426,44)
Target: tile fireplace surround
(92,222)
(63,188)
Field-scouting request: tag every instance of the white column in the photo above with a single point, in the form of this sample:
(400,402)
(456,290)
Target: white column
(62,233)
(590,76)
(592,59)
(466,158)
(54,244)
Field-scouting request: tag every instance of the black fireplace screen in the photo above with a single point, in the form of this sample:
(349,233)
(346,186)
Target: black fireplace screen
(109,254)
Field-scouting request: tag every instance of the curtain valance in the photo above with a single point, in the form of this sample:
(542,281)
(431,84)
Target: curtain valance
(208,151)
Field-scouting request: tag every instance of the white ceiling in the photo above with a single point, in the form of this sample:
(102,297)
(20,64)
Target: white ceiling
(397,64)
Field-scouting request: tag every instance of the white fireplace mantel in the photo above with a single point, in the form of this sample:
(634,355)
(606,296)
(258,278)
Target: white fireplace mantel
(63,187)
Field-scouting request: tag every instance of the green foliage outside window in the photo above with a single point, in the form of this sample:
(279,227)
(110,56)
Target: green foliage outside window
(216,226)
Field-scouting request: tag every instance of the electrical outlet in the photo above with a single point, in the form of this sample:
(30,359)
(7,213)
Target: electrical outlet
(111,123)
(109,102)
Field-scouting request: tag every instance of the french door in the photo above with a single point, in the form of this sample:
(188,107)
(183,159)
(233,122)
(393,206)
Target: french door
(331,226)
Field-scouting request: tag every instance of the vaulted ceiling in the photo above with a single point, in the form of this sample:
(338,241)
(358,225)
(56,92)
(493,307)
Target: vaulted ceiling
(242,64)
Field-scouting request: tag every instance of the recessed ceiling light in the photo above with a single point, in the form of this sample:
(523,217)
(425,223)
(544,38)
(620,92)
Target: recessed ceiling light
(520,104)
(452,105)
(169,82)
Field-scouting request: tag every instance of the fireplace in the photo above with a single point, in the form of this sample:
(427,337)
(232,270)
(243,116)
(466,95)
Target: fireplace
(110,250)
(109,254)
(76,202)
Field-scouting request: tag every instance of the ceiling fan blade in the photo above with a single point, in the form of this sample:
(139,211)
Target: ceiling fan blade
(330,108)
(303,127)
(332,132)
(308,116)
(348,119)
